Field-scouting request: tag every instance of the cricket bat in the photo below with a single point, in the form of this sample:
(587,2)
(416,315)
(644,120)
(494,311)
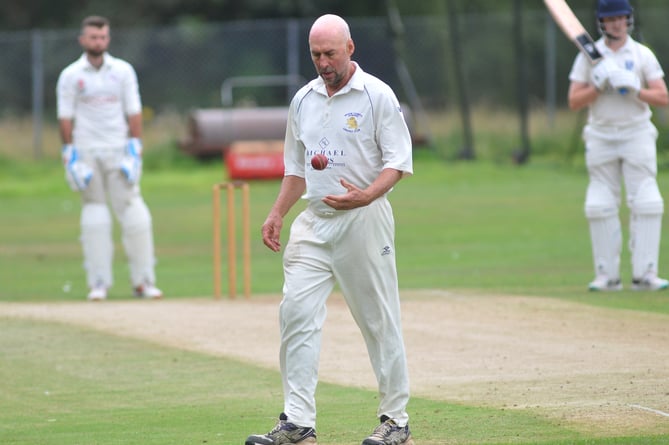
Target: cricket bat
(573,29)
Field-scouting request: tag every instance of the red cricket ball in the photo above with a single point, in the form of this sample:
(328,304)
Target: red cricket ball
(319,161)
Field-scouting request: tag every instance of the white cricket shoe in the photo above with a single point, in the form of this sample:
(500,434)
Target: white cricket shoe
(650,282)
(148,291)
(602,283)
(98,293)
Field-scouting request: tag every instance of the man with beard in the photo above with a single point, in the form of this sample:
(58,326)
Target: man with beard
(100,118)
(344,236)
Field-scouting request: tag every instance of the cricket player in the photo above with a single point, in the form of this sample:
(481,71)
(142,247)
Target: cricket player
(344,236)
(100,118)
(620,148)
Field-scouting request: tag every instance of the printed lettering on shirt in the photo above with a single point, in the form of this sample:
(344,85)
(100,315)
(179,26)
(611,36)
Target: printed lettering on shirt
(335,156)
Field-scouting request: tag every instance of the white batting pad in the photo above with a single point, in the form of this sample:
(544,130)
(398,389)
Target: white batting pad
(606,238)
(645,229)
(137,238)
(645,232)
(96,241)
(601,209)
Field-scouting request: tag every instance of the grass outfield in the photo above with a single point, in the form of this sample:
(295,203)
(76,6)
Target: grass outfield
(518,230)
(470,227)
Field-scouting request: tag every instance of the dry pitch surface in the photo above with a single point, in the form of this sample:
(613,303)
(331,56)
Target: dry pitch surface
(603,371)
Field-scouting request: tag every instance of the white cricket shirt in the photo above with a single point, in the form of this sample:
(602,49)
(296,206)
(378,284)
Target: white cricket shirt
(98,100)
(361,129)
(612,108)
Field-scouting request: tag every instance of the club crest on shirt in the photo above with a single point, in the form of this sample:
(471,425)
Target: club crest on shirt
(629,65)
(81,85)
(351,125)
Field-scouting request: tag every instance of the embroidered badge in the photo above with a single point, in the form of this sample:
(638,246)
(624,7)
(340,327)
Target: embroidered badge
(352,122)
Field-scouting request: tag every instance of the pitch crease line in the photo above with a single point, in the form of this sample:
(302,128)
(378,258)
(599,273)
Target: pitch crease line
(651,410)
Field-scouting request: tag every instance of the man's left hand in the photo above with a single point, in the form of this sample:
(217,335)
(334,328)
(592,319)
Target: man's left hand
(353,198)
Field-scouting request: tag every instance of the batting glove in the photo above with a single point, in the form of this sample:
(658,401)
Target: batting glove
(625,81)
(131,164)
(600,73)
(77,173)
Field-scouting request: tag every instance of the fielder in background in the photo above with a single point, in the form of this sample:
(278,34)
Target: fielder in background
(100,117)
(345,235)
(620,146)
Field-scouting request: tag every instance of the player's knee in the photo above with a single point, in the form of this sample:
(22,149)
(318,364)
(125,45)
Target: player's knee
(648,199)
(600,202)
(136,216)
(294,315)
(95,215)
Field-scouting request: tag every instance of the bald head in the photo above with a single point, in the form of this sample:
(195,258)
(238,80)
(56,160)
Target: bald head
(330,25)
(331,48)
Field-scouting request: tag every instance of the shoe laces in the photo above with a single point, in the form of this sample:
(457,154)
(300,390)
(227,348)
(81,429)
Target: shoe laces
(282,425)
(278,427)
(382,431)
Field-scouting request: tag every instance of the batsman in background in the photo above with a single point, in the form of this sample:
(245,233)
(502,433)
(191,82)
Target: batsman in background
(345,235)
(620,142)
(100,117)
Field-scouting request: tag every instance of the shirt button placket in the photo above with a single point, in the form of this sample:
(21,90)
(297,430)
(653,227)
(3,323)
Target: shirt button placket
(326,114)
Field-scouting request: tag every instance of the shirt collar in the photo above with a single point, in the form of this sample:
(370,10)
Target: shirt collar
(356,82)
(627,47)
(106,61)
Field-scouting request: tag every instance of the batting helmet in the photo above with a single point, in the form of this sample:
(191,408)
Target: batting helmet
(613,8)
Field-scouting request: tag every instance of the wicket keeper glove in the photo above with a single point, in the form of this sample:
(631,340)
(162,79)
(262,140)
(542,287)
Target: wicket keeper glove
(625,81)
(77,173)
(600,73)
(131,164)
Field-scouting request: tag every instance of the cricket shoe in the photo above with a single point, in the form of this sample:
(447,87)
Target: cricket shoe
(602,283)
(98,293)
(148,291)
(284,433)
(650,282)
(389,433)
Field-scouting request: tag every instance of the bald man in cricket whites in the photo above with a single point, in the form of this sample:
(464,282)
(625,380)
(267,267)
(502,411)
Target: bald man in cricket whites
(345,235)
(100,118)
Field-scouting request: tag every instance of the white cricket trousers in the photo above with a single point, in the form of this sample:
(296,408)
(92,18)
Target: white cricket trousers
(356,250)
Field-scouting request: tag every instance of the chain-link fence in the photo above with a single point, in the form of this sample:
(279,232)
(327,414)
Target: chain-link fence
(183,67)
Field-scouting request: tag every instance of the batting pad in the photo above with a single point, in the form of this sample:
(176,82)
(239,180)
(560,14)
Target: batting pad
(645,233)
(645,229)
(96,241)
(137,236)
(606,237)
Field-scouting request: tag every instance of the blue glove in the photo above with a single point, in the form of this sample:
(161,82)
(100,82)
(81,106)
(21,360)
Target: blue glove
(77,173)
(131,163)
